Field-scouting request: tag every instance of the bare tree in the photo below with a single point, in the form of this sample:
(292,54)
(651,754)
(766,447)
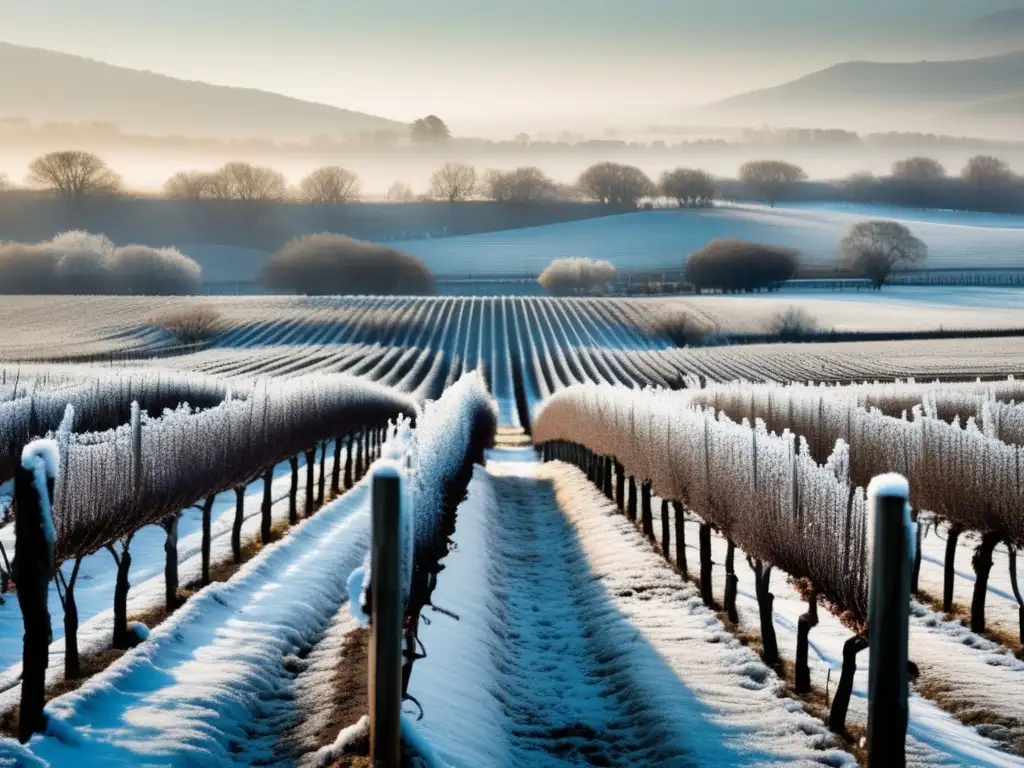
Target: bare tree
(429,130)
(331,185)
(73,174)
(454,182)
(400,192)
(189,185)
(918,170)
(770,179)
(687,186)
(614,184)
(248,183)
(986,171)
(521,185)
(875,248)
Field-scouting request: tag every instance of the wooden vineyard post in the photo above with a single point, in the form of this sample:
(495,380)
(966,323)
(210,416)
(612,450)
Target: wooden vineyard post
(322,481)
(606,477)
(631,499)
(620,487)
(680,521)
(385,654)
(665,543)
(267,507)
(948,574)
(310,480)
(888,620)
(293,491)
(336,468)
(646,514)
(33,568)
(348,461)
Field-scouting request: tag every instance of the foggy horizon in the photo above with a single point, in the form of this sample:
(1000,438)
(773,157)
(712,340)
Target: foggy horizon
(496,70)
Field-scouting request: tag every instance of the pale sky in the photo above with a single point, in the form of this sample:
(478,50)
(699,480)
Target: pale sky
(482,63)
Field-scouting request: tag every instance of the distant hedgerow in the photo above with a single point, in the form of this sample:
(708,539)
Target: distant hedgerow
(81,263)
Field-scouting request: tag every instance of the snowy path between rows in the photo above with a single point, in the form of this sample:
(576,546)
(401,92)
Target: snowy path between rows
(94,592)
(212,685)
(577,645)
(981,672)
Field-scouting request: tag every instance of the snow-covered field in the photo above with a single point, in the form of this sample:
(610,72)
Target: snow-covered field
(897,307)
(661,239)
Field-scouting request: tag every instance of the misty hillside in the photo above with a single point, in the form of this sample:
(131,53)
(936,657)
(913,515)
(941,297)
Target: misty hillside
(45,85)
(1004,25)
(865,95)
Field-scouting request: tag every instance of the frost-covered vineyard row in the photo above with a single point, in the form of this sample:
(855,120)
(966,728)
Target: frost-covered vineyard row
(772,502)
(286,380)
(205,722)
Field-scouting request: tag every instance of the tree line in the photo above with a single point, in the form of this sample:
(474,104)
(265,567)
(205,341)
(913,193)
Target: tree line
(983,181)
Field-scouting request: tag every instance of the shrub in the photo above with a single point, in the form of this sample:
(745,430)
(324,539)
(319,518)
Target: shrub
(575,276)
(190,325)
(141,270)
(28,269)
(683,324)
(737,265)
(336,264)
(793,323)
(82,267)
(82,263)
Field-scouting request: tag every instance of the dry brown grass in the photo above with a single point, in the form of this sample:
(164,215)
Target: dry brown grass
(190,325)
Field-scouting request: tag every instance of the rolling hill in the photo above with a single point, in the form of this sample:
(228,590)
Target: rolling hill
(46,86)
(865,95)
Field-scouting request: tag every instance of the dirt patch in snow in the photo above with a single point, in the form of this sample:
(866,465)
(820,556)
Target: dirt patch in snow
(351,697)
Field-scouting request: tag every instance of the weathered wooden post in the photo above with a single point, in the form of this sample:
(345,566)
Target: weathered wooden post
(322,482)
(606,477)
(706,564)
(170,525)
(948,574)
(310,480)
(631,499)
(33,568)
(348,461)
(385,654)
(236,524)
(204,577)
(680,521)
(646,514)
(665,543)
(620,486)
(336,468)
(293,491)
(267,507)
(892,552)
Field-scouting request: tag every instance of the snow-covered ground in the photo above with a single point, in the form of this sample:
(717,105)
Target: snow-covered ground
(942,650)
(660,239)
(211,684)
(576,644)
(94,591)
(895,308)
(1001,607)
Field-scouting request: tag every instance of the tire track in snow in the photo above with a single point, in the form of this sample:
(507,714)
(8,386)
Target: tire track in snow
(570,696)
